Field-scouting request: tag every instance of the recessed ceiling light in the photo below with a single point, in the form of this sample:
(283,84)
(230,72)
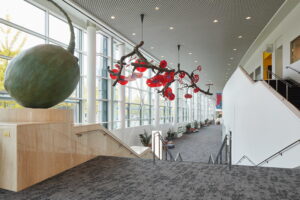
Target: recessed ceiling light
(247,18)
(151,47)
(133,34)
(190,53)
(215,21)
(162,56)
(156,8)
(231,58)
(240,36)
(171,27)
(234,49)
(196,61)
(113,17)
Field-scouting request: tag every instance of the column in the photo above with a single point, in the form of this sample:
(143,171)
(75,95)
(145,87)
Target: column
(122,93)
(157,113)
(176,103)
(91,73)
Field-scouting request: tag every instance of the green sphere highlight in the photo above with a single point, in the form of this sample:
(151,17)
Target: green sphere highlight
(42,76)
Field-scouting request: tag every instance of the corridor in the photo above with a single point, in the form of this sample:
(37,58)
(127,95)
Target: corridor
(197,147)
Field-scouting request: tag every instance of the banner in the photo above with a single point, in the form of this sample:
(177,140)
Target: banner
(219,101)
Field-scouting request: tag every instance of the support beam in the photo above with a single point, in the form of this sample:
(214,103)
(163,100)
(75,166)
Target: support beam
(91,73)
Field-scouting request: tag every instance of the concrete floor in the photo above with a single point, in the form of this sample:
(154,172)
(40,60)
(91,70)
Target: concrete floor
(112,178)
(197,147)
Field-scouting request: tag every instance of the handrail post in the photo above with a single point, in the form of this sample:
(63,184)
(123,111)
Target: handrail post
(153,149)
(226,150)
(286,92)
(230,150)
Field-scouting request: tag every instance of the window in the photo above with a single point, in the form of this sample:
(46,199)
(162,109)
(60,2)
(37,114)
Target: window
(295,50)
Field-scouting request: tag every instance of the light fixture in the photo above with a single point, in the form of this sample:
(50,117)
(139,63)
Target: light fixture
(171,27)
(247,18)
(162,56)
(240,37)
(215,21)
(231,58)
(133,34)
(113,17)
(196,61)
(156,8)
(151,47)
(234,49)
(190,53)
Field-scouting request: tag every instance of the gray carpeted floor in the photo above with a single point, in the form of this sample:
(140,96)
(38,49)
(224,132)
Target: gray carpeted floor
(198,146)
(137,179)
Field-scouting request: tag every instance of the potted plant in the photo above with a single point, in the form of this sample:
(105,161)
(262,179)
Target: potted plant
(196,125)
(188,127)
(170,135)
(145,139)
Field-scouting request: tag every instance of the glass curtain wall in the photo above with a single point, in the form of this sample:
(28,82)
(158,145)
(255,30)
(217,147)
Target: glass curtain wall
(17,33)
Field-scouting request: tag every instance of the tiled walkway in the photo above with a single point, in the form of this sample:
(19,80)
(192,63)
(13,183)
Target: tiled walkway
(198,146)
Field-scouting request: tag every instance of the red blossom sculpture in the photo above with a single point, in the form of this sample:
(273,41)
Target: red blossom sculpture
(164,76)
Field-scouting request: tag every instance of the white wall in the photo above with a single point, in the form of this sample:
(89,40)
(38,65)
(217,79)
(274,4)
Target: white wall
(282,35)
(261,122)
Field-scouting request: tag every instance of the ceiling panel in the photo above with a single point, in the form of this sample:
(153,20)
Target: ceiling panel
(211,44)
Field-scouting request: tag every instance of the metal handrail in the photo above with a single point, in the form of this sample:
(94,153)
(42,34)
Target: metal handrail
(211,159)
(228,150)
(219,155)
(278,78)
(288,67)
(245,157)
(280,152)
(178,157)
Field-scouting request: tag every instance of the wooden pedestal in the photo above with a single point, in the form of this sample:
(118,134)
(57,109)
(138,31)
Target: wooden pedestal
(36,144)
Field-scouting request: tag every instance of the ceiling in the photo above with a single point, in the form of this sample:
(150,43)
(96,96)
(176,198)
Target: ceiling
(212,44)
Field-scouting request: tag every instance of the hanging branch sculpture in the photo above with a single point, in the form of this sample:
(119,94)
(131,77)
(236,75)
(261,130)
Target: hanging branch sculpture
(164,77)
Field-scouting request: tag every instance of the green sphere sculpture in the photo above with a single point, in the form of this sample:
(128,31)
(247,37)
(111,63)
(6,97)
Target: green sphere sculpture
(44,75)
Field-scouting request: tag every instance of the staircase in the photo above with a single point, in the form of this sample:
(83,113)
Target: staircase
(289,89)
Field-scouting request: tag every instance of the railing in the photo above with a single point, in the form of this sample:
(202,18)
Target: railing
(279,152)
(226,145)
(277,78)
(245,157)
(272,156)
(165,147)
(288,67)
(211,159)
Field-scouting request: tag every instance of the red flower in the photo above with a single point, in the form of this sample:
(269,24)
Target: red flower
(138,75)
(117,66)
(141,69)
(122,80)
(155,81)
(171,97)
(169,76)
(196,78)
(168,92)
(196,90)
(163,64)
(199,68)
(188,96)
(182,75)
(113,76)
